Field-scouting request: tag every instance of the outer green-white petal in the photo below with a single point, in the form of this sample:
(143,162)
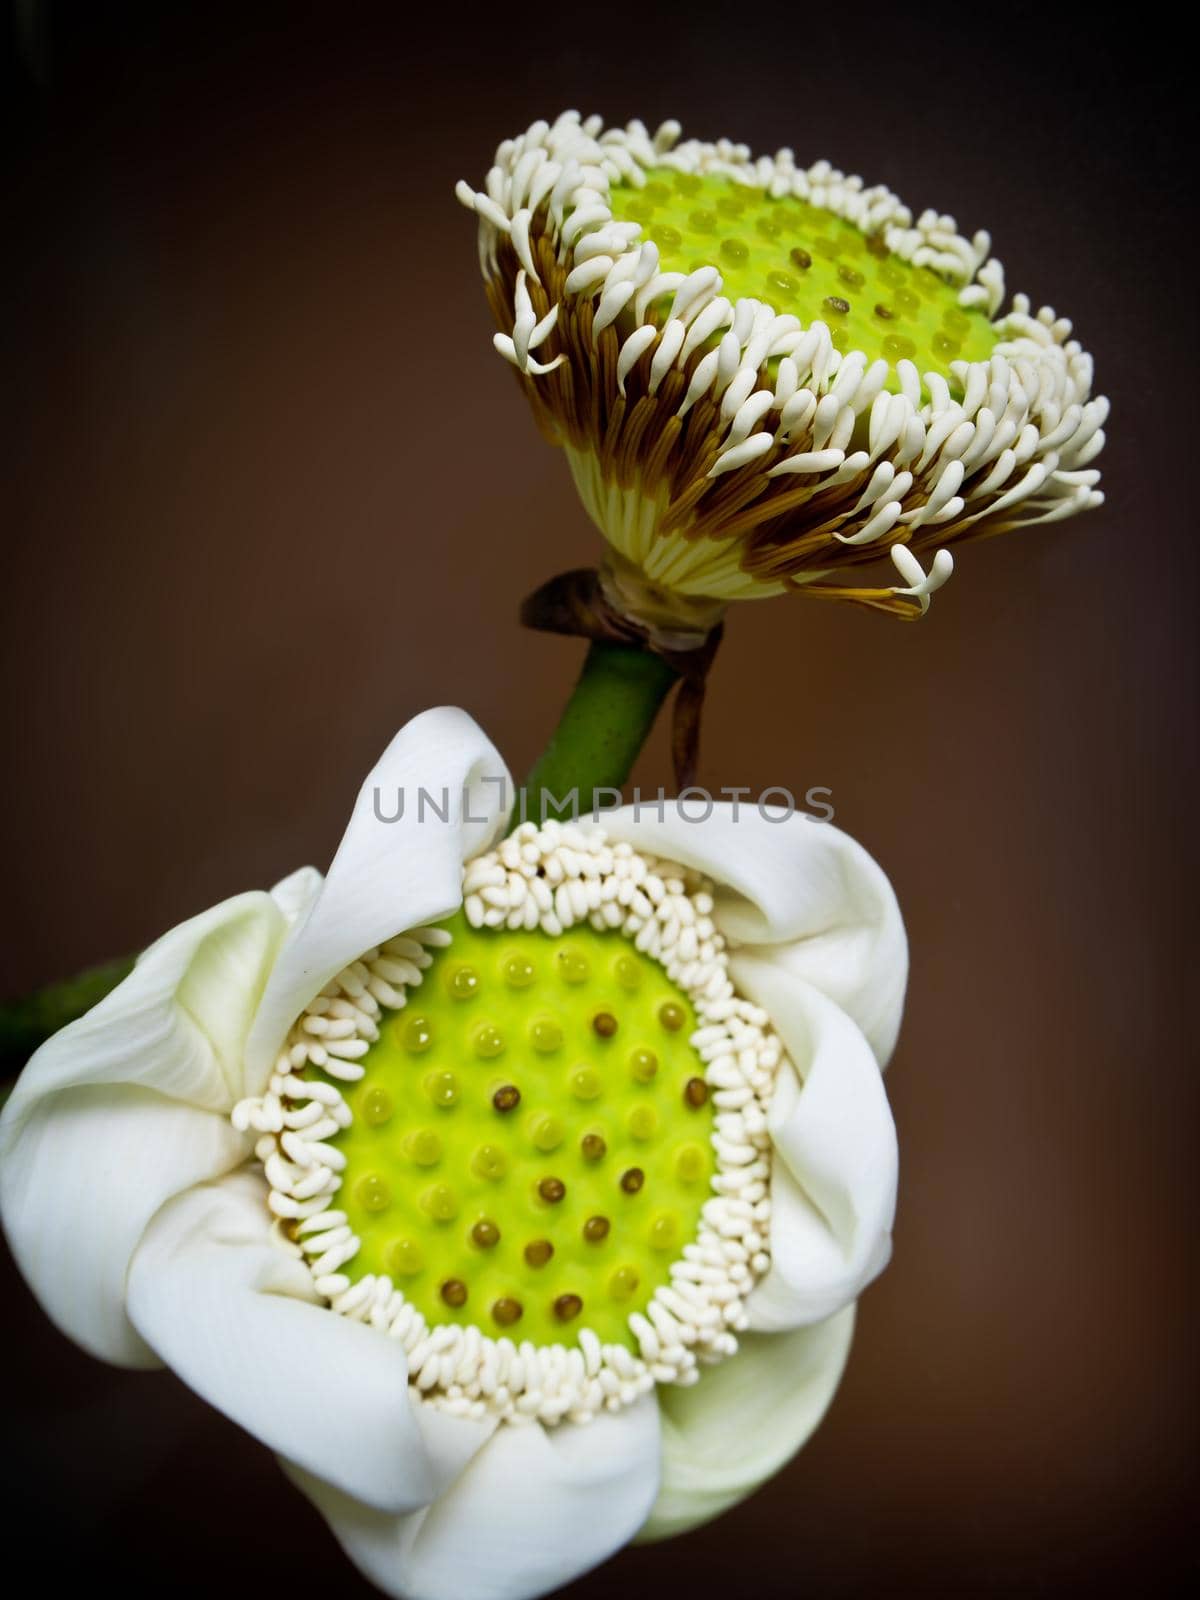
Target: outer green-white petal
(801,892)
(127,1107)
(389,875)
(744,1420)
(238,1319)
(535,1508)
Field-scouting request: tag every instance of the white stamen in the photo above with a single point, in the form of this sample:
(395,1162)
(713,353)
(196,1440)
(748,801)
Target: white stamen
(1034,387)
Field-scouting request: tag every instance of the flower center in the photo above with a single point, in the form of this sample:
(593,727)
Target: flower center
(531,1144)
(806,261)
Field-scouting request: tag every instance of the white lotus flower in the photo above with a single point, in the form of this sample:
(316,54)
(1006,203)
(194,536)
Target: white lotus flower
(766,376)
(132,1183)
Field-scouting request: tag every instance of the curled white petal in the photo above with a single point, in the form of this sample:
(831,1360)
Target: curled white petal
(536,1508)
(125,1108)
(237,1318)
(389,874)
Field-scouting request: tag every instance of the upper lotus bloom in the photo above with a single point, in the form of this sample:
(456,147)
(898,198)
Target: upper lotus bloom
(516,1191)
(764,375)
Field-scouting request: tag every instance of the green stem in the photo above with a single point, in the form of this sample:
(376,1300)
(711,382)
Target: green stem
(603,726)
(28,1022)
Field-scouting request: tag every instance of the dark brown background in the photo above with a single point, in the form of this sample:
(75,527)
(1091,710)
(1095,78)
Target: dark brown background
(269,493)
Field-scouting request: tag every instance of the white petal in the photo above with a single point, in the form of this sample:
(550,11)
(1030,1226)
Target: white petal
(126,1107)
(296,893)
(178,1022)
(90,1169)
(800,886)
(237,1318)
(534,1509)
(833,1186)
(390,875)
(744,1420)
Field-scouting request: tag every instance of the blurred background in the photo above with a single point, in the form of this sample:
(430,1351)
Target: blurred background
(268,493)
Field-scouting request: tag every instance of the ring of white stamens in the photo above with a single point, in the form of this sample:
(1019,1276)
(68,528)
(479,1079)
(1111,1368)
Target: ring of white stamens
(553,878)
(801,430)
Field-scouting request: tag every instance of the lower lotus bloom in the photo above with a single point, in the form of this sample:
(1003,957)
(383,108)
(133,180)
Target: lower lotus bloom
(516,1191)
